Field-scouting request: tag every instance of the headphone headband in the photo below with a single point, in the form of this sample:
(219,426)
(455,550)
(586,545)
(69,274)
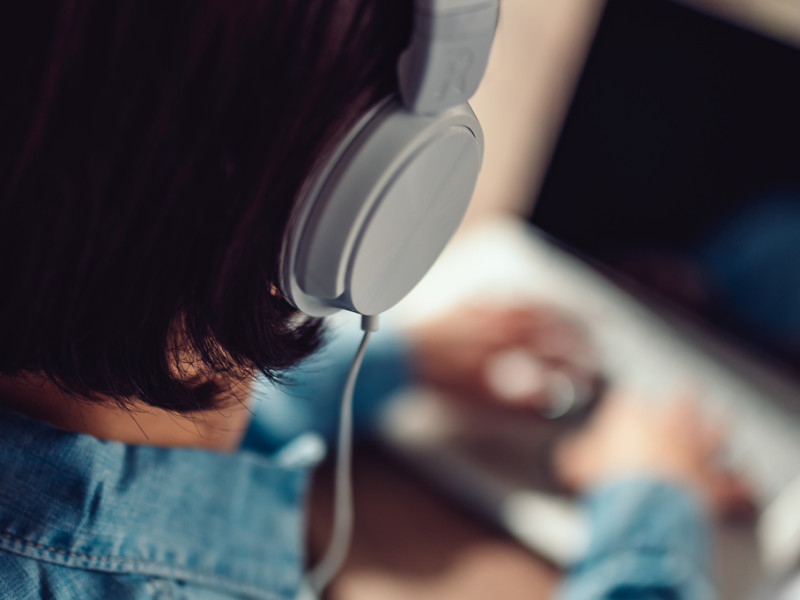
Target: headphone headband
(447,54)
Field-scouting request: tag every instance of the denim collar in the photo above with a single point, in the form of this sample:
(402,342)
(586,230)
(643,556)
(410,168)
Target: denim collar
(231,522)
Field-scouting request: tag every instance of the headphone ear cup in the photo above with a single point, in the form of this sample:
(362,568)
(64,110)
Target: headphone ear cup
(379,212)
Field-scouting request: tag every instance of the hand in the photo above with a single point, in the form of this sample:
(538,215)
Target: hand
(506,355)
(628,437)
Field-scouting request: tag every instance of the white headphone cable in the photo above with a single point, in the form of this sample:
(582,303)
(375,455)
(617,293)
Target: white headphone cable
(322,574)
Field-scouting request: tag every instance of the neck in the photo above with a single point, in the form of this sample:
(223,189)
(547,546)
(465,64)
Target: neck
(139,423)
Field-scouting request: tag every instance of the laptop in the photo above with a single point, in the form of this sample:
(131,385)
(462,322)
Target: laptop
(668,223)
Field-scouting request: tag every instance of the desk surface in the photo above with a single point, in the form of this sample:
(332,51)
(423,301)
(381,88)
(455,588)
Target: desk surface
(410,542)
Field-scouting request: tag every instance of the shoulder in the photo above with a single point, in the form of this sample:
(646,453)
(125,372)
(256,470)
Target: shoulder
(25,578)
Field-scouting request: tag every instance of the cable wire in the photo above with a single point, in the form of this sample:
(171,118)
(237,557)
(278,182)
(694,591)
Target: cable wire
(322,574)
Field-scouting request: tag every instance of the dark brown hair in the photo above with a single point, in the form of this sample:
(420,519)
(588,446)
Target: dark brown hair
(150,154)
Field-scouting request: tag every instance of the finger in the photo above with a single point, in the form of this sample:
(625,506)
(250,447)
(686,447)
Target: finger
(713,434)
(732,498)
(682,412)
(581,364)
(533,320)
(568,460)
(515,377)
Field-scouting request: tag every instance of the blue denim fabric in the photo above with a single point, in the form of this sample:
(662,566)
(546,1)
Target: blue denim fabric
(649,541)
(89,519)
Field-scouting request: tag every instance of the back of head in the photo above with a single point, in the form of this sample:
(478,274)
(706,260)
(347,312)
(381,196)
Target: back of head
(150,157)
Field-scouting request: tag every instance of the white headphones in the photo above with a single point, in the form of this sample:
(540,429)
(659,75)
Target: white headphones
(373,219)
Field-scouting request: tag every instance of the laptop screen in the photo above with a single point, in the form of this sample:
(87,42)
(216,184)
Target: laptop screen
(678,168)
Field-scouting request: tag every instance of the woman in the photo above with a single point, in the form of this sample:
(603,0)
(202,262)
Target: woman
(150,156)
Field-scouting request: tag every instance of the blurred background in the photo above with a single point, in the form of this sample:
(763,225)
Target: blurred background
(536,60)
(406,544)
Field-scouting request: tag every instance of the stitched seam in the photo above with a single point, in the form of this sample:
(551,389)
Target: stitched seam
(75,554)
(243,587)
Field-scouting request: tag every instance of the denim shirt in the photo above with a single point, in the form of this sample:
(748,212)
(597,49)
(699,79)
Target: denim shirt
(86,519)
(89,519)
